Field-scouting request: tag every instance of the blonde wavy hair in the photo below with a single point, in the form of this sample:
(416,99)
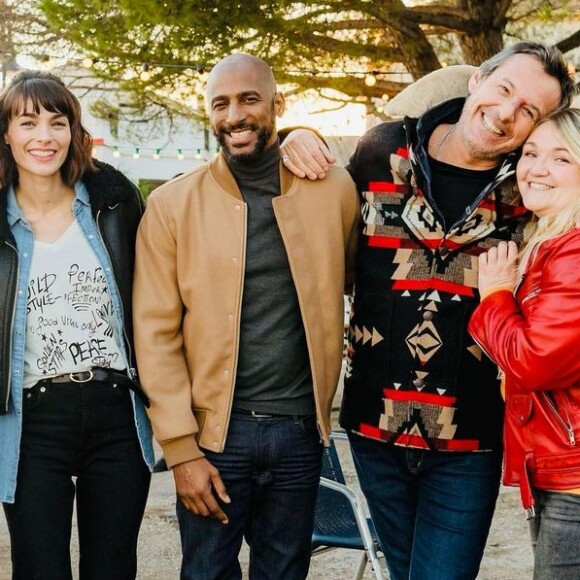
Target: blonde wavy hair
(539,230)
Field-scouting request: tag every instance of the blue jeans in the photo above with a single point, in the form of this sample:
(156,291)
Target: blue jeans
(271,469)
(85,431)
(555,535)
(432,510)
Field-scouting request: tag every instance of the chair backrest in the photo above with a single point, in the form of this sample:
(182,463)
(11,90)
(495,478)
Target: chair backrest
(331,468)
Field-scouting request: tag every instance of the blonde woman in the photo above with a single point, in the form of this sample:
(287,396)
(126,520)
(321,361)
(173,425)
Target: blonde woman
(529,323)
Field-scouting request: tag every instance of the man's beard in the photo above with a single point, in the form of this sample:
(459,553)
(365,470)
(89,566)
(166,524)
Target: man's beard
(264,135)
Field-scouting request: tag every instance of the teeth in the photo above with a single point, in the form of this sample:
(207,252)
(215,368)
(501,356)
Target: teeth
(41,152)
(540,186)
(241,133)
(490,125)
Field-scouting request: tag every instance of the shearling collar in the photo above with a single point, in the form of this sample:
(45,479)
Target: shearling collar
(107,186)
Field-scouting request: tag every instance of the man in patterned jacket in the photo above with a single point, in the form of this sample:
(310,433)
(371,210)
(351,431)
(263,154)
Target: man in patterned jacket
(421,402)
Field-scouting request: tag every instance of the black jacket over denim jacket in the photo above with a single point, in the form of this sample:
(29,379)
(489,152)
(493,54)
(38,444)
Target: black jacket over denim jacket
(117,208)
(414,376)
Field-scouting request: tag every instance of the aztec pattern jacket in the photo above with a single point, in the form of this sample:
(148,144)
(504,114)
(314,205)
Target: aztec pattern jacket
(414,376)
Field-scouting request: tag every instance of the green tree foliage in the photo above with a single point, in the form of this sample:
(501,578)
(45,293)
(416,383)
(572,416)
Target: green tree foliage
(312,45)
(22,30)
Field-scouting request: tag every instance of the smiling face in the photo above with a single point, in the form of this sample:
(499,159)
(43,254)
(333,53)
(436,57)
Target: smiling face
(39,141)
(504,107)
(548,175)
(243,104)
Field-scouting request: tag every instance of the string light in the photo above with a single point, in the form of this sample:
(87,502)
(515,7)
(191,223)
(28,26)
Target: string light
(145,74)
(202,68)
(181,153)
(371,79)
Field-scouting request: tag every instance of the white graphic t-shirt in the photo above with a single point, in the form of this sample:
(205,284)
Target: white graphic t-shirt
(69,312)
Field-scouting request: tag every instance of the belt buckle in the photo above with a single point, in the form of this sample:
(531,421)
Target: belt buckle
(74,377)
(258,415)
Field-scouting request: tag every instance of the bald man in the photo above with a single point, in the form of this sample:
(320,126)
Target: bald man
(240,275)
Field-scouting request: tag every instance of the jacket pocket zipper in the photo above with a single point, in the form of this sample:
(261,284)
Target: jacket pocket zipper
(567,426)
(530,295)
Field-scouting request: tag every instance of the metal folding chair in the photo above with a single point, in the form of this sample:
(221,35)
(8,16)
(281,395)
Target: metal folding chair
(339,519)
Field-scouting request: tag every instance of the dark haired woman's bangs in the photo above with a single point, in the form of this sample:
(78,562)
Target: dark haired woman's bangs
(41,93)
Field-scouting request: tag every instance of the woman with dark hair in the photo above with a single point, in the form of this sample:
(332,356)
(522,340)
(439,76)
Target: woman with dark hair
(72,418)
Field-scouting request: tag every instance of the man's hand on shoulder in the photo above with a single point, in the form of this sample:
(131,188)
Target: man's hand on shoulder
(306,155)
(197,483)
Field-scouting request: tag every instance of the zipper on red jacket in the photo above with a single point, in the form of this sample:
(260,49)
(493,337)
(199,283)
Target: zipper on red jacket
(567,426)
(527,297)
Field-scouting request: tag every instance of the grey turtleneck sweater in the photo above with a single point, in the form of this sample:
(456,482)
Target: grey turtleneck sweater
(273,374)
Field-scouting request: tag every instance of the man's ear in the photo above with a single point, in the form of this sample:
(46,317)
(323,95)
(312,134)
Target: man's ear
(474,81)
(279,104)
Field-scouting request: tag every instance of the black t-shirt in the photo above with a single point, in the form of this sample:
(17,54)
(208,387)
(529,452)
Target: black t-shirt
(454,188)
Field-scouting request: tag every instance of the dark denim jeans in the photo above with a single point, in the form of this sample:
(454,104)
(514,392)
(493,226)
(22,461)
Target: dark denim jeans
(85,431)
(271,469)
(555,535)
(432,510)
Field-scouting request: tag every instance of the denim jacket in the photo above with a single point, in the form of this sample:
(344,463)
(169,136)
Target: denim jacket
(22,243)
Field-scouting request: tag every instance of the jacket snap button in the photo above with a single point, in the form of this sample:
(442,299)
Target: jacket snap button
(42,389)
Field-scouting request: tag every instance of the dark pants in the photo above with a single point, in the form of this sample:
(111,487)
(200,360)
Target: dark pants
(432,510)
(271,469)
(85,431)
(556,536)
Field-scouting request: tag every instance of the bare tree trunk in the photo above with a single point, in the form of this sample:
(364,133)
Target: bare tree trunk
(487,21)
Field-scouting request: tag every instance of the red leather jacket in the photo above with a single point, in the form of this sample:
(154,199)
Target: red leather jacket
(534,337)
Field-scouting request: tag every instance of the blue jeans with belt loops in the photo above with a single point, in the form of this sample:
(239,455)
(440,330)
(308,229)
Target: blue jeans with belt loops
(271,469)
(432,510)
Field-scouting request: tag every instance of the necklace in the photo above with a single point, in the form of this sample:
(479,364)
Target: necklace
(442,142)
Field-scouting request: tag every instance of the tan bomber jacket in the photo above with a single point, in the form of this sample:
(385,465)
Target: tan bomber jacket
(188,294)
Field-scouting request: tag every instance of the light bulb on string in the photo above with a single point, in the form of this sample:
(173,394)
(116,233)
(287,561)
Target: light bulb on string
(198,154)
(157,154)
(136,153)
(180,155)
(371,80)
(145,74)
(116,152)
